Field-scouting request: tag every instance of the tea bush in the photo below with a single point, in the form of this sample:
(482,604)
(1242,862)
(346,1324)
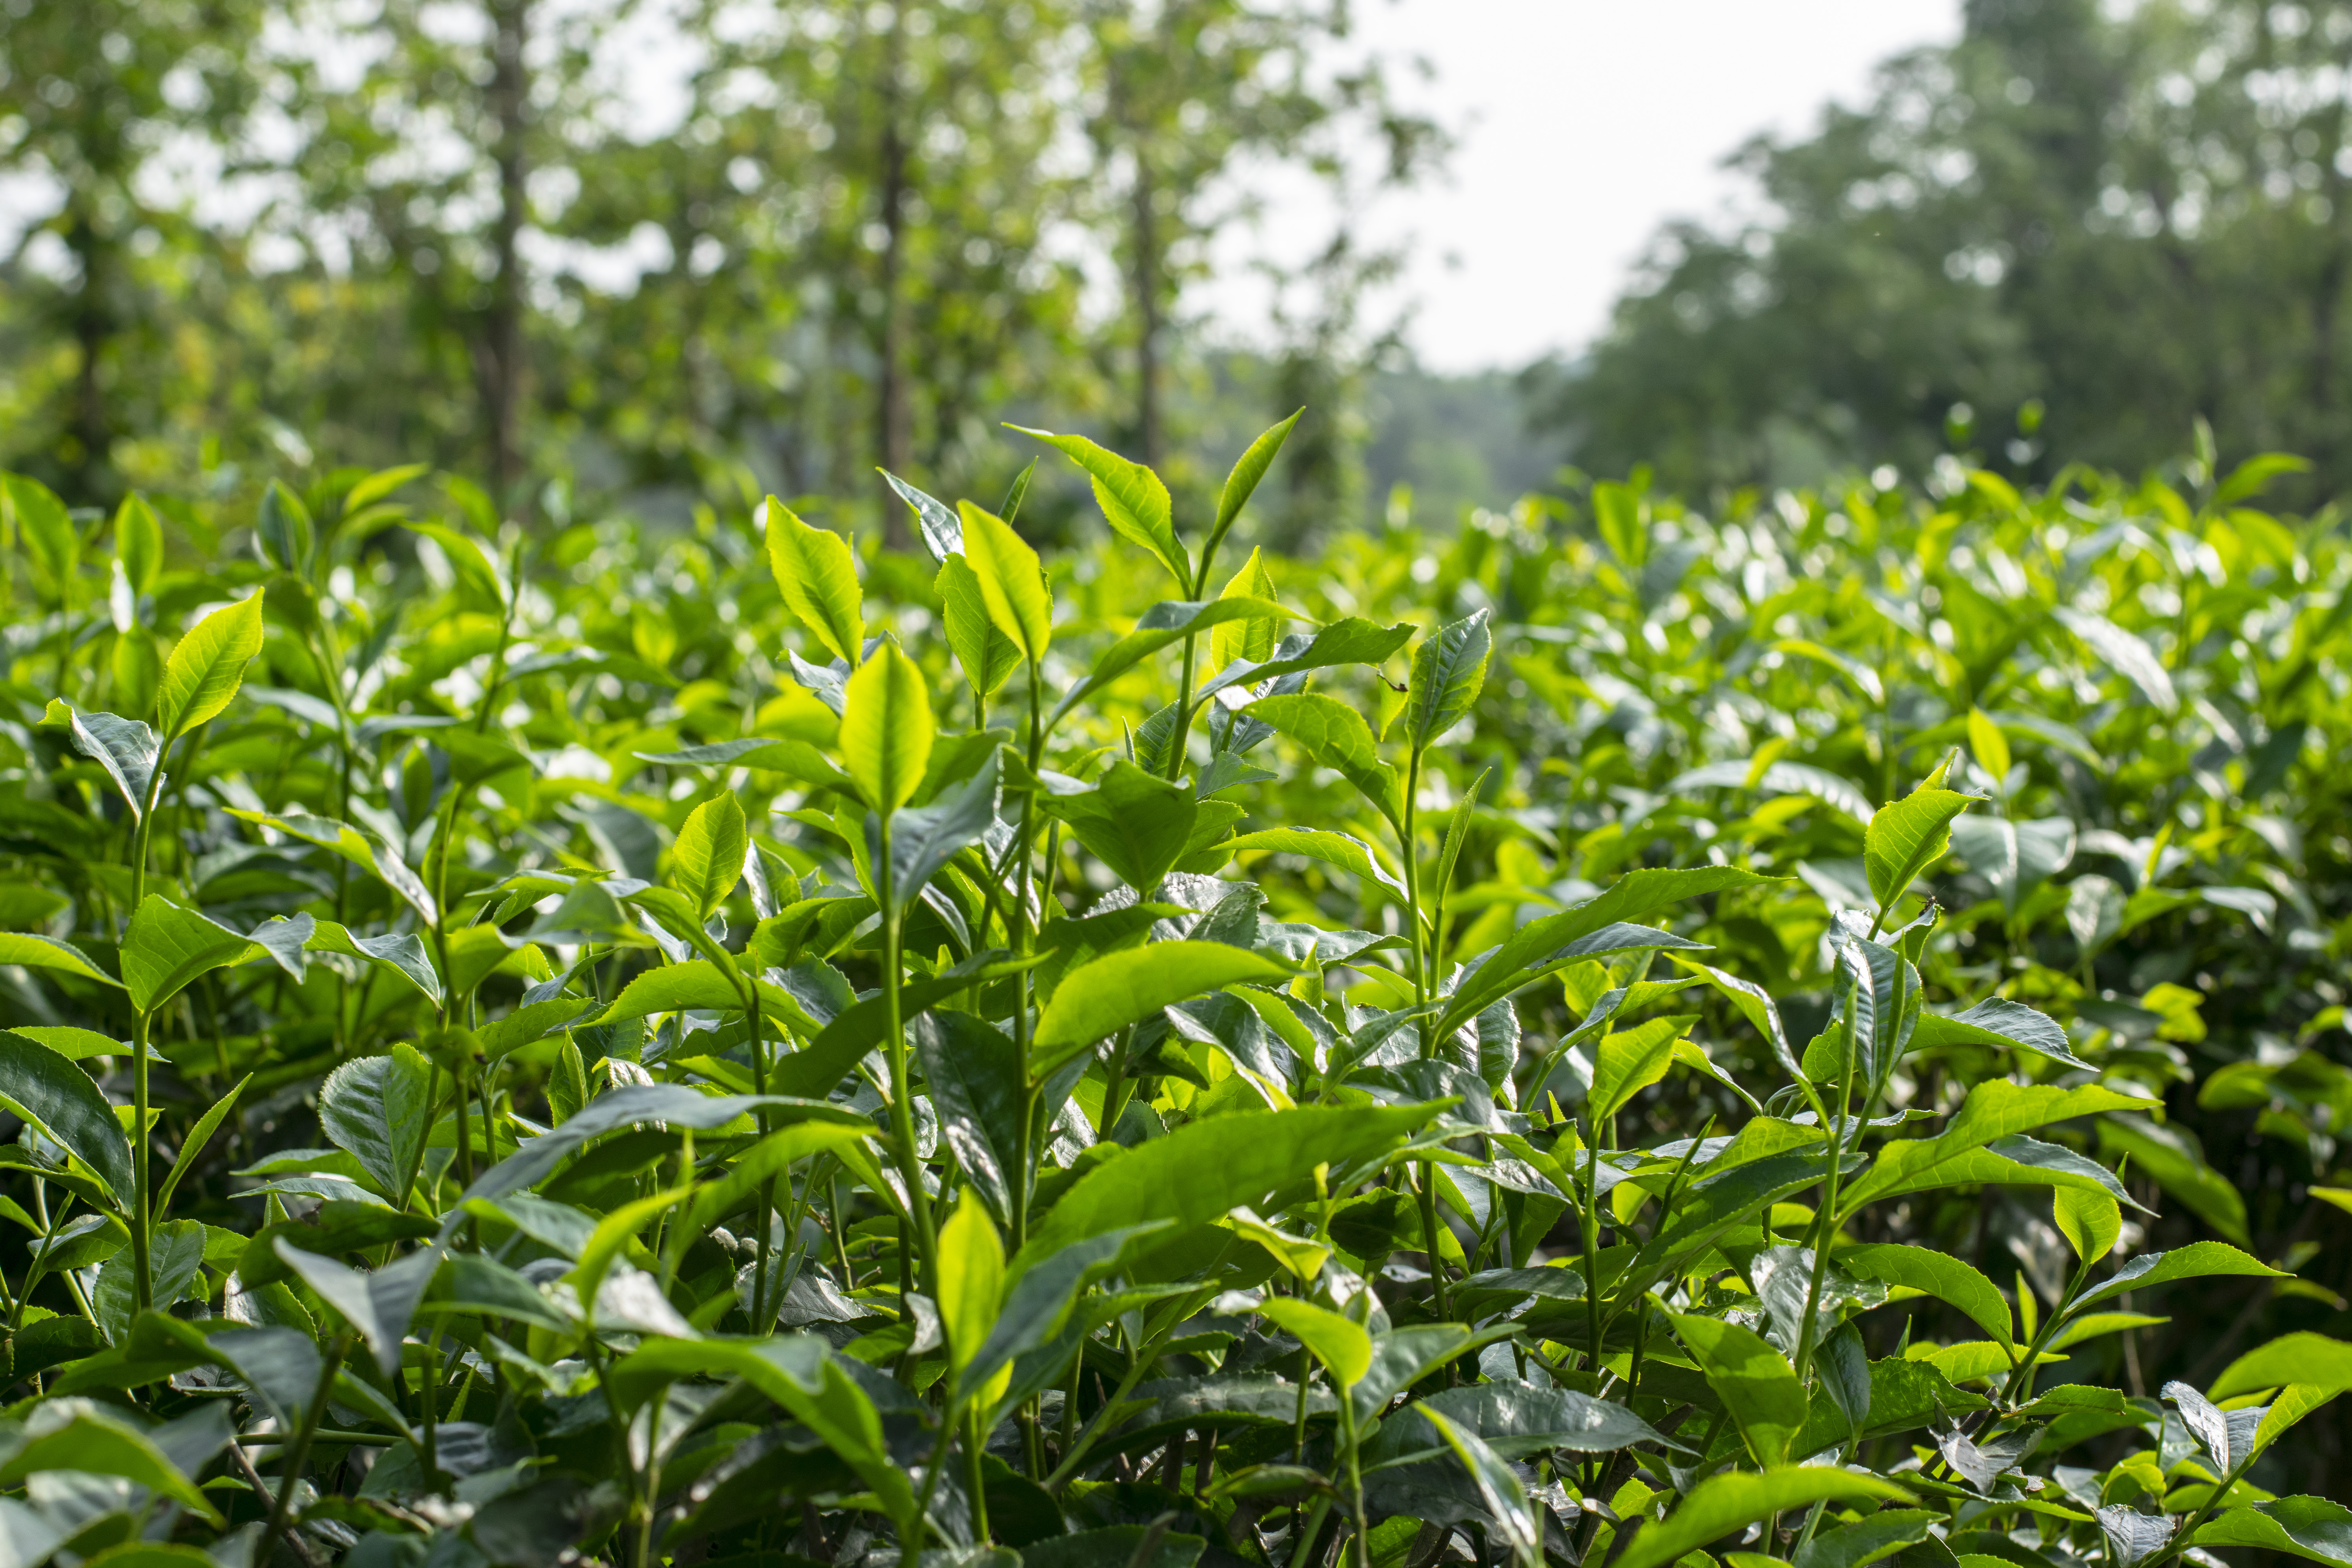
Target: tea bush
(1618,1038)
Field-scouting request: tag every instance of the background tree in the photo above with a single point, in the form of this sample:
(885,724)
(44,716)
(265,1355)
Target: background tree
(1184,95)
(415,212)
(2130,220)
(92,97)
(686,250)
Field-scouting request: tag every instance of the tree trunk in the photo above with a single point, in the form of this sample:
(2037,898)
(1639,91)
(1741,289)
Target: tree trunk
(894,435)
(501,348)
(2327,298)
(93,324)
(1147,286)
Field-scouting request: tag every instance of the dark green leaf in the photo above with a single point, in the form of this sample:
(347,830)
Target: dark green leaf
(58,1099)
(378,1110)
(1448,669)
(1104,996)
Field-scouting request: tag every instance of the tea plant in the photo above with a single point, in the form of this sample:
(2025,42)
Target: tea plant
(730,1048)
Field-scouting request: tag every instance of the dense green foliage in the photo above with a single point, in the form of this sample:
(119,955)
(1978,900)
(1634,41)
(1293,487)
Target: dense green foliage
(656,1047)
(2121,217)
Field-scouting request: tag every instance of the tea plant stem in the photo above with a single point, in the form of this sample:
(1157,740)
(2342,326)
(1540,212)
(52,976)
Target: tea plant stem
(902,1113)
(464,1135)
(1825,1221)
(1429,1045)
(243,1462)
(653,1483)
(40,1263)
(2196,1516)
(747,988)
(911,1531)
(428,1398)
(630,1481)
(299,1450)
(324,652)
(1023,936)
(1194,589)
(1590,1225)
(141,1263)
(143,1218)
(505,640)
(1410,844)
(1077,1448)
(2021,1376)
(1353,1469)
(975,1451)
(1183,726)
(1313,1528)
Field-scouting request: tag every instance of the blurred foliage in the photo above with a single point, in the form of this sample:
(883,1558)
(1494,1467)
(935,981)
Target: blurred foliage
(2067,236)
(678,252)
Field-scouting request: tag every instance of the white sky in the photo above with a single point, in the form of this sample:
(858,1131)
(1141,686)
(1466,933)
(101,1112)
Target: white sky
(1582,125)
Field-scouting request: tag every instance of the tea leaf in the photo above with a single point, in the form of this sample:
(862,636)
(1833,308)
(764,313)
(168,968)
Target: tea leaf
(710,852)
(817,575)
(1098,998)
(886,729)
(1243,481)
(1011,581)
(1448,669)
(1725,1503)
(1133,500)
(168,946)
(1341,1346)
(58,1099)
(1906,836)
(378,1110)
(1754,1381)
(1203,1168)
(206,667)
(1937,1274)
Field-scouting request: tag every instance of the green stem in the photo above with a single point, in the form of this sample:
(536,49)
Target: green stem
(299,1450)
(506,637)
(1407,834)
(328,657)
(2021,1376)
(2179,1542)
(1075,1451)
(142,1275)
(323,1435)
(428,1390)
(1183,715)
(976,1450)
(912,1531)
(1070,1403)
(902,1113)
(1590,1227)
(1309,1532)
(1825,1222)
(1023,936)
(142,1218)
(464,1133)
(40,1263)
(597,1363)
(1352,1469)
(653,1483)
(1196,589)
(747,988)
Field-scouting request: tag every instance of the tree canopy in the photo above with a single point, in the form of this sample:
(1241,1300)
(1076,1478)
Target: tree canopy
(2078,229)
(681,252)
